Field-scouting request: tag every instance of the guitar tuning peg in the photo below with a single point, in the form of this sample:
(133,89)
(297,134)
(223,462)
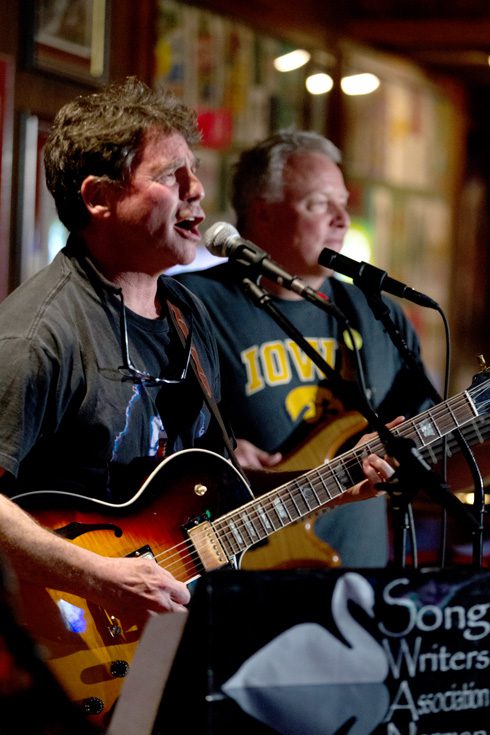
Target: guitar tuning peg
(482,363)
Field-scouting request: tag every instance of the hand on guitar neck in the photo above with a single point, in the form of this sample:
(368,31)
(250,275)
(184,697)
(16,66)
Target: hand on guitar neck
(297,545)
(376,469)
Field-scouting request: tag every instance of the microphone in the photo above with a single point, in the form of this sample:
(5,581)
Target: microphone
(224,241)
(367,277)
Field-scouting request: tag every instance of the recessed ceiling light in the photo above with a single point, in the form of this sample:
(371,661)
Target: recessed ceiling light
(359,84)
(319,83)
(293,60)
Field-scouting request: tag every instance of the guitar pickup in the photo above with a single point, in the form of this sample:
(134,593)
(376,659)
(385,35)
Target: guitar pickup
(210,551)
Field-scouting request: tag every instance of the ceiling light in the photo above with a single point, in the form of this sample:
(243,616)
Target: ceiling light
(319,83)
(292,60)
(359,84)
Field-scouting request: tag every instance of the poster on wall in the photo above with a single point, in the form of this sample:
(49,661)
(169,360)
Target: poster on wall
(225,70)
(69,38)
(42,234)
(172,48)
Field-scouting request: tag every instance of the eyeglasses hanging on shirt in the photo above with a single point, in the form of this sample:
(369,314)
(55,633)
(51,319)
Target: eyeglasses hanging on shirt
(141,377)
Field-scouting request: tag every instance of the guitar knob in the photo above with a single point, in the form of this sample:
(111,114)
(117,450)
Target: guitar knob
(119,669)
(93,706)
(200,489)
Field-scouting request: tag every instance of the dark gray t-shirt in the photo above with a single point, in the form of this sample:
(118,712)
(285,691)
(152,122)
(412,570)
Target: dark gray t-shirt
(69,418)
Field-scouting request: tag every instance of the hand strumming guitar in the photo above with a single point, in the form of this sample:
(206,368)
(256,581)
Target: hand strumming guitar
(135,586)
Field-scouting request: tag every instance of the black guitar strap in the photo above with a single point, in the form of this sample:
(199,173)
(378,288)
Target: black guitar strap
(182,328)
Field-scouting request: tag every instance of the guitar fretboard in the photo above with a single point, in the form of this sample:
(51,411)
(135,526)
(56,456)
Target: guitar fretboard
(278,508)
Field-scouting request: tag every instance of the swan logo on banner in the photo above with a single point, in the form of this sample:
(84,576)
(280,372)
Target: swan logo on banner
(306,680)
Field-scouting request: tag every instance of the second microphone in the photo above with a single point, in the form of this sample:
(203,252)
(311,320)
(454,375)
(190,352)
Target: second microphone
(224,241)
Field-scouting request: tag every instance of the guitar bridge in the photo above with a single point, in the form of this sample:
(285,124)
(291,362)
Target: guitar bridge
(114,626)
(142,551)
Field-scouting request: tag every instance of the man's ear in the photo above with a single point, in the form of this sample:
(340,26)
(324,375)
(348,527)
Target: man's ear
(258,211)
(260,216)
(98,196)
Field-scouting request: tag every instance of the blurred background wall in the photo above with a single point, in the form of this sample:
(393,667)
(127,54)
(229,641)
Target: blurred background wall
(415,144)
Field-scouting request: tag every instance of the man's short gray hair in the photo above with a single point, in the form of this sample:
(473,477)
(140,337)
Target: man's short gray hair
(259,170)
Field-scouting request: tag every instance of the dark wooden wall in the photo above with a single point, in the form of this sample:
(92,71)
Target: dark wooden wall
(131,42)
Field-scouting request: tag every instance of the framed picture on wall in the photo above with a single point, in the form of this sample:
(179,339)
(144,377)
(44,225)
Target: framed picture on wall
(6,123)
(70,38)
(42,234)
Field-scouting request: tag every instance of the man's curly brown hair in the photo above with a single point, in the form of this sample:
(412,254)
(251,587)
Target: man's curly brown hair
(100,134)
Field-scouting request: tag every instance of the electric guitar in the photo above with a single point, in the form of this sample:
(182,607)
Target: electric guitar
(298,545)
(194,514)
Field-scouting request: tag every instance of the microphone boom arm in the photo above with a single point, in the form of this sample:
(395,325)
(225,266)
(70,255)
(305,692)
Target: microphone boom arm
(256,261)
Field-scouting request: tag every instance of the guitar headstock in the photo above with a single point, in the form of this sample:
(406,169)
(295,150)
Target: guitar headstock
(480,387)
(482,363)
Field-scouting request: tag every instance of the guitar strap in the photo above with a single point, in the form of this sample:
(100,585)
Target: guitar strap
(182,329)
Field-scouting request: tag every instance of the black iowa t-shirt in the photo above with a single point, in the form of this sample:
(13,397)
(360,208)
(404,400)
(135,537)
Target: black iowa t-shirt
(272,388)
(275,396)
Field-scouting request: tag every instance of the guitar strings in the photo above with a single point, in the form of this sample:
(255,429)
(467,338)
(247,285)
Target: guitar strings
(361,451)
(242,525)
(234,529)
(174,558)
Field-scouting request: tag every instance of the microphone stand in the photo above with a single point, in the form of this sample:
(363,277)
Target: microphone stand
(412,466)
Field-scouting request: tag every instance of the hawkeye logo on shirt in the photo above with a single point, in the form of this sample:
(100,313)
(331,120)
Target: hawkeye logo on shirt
(310,403)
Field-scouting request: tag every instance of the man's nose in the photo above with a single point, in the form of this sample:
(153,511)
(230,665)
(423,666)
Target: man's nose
(192,186)
(340,215)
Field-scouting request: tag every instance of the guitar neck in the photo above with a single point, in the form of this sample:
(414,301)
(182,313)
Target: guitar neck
(260,518)
(476,432)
